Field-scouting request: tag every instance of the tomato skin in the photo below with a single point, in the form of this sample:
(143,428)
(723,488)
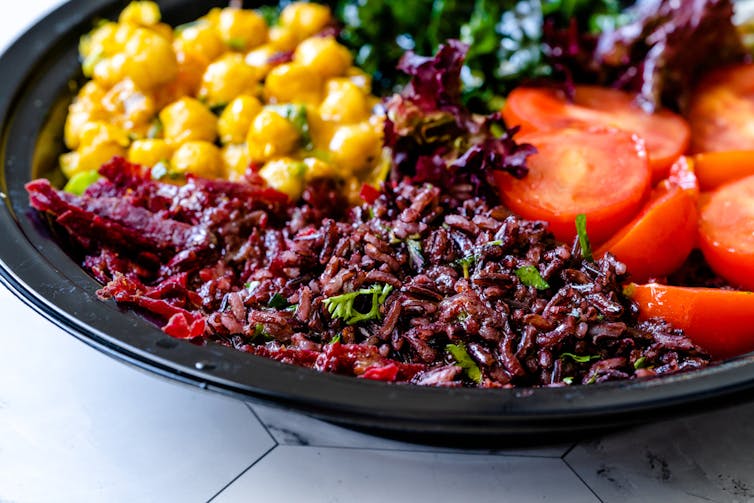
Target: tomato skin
(721,110)
(726,232)
(661,237)
(602,173)
(666,134)
(715,169)
(720,321)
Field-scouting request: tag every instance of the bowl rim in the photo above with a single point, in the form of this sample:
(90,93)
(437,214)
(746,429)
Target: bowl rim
(42,275)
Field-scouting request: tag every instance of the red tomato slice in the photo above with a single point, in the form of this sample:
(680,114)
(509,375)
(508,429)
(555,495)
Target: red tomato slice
(660,238)
(720,321)
(602,173)
(721,110)
(715,169)
(726,232)
(538,109)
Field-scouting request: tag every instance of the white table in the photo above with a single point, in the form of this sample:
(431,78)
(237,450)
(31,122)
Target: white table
(78,426)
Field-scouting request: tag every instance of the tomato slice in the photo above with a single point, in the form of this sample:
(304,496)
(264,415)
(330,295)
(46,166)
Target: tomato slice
(600,172)
(661,237)
(721,110)
(715,169)
(726,232)
(720,321)
(537,109)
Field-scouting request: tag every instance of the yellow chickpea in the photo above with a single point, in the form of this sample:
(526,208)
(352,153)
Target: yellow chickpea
(100,142)
(320,130)
(360,78)
(142,13)
(317,168)
(344,102)
(306,19)
(132,109)
(235,121)
(198,157)
(323,55)
(187,120)
(201,39)
(241,29)
(282,39)
(97,45)
(235,160)
(108,71)
(227,78)
(291,82)
(259,59)
(85,108)
(286,175)
(271,135)
(150,59)
(149,152)
(356,147)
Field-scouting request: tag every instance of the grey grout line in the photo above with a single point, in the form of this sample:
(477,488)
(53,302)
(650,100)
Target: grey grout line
(260,458)
(568,451)
(501,454)
(582,480)
(254,413)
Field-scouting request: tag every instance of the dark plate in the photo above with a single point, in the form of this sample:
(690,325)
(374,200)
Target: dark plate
(34,92)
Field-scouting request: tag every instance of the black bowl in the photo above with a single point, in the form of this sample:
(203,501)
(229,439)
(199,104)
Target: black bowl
(35,90)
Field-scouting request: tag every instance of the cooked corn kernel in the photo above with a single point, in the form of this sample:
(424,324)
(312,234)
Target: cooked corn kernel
(323,55)
(149,152)
(286,175)
(141,13)
(235,121)
(198,157)
(356,147)
(344,102)
(291,82)
(305,19)
(227,78)
(271,135)
(241,29)
(188,119)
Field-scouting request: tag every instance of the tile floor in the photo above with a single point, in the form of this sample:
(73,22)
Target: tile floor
(77,426)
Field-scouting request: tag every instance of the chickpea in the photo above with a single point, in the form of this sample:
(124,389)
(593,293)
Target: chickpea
(235,160)
(323,55)
(282,39)
(142,13)
(320,130)
(235,121)
(306,19)
(149,152)
(271,135)
(200,38)
(259,59)
(241,29)
(85,108)
(198,157)
(360,78)
(100,142)
(108,71)
(344,102)
(186,120)
(131,109)
(227,78)
(356,147)
(317,168)
(291,82)
(286,175)
(150,59)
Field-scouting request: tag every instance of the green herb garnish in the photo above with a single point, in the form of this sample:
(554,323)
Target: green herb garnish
(465,263)
(640,363)
(497,242)
(580,358)
(341,306)
(260,331)
(237,44)
(79,182)
(586,247)
(530,276)
(277,301)
(462,357)
(296,115)
(155,129)
(568,380)
(335,339)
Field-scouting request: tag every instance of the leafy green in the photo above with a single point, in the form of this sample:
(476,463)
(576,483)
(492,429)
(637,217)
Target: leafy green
(277,301)
(462,357)
(580,358)
(342,306)
(641,363)
(586,246)
(568,380)
(529,276)
(335,339)
(81,181)
(465,263)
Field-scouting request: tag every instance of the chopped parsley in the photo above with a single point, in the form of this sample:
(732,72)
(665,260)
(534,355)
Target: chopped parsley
(641,363)
(465,263)
(277,301)
(463,359)
(81,181)
(296,115)
(529,276)
(580,358)
(341,306)
(335,339)
(155,129)
(237,44)
(586,247)
(568,380)
(497,242)
(260,331)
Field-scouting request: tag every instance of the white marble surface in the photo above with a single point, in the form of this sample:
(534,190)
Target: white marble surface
(78,426)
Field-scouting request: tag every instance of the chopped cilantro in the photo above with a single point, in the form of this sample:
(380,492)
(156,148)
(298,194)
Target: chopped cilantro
(237,44)
(580,358)
(270,13)
(462,357)
(260,331)
(466,262)
(251,286)
(568,380)
(592,379)
(335,339)
(155,129)
(586,247)
(296,115)
(341,306)
(81,181)
(640,363)
(277,301)
(497,242)
(529,276)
